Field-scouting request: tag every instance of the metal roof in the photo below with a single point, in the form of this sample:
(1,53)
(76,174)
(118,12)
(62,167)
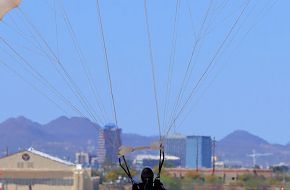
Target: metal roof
(42,154)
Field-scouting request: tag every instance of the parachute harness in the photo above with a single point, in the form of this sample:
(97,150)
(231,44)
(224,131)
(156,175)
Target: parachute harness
(126,168)
(161,162)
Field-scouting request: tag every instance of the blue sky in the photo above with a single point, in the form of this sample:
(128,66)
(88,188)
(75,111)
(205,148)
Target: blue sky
(247,87)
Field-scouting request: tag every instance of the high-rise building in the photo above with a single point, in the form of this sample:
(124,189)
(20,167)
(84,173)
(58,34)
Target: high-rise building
(198,151)
(112,136)
(175,145)
(101,151)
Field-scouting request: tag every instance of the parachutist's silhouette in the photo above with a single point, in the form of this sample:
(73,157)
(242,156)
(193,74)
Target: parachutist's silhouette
(147,175)
(148,182)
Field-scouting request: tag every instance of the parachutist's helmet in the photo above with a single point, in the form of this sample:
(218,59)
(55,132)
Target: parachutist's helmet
(147,175)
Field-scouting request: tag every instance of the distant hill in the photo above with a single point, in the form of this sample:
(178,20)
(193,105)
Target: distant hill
(238,144)
(242,137)
(16,132)
(72,129)
(64,136)
(236,147)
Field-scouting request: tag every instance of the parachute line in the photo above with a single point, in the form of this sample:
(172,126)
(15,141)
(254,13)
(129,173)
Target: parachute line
(107,61)
(171,61)
(32,86)
(72,85)
(83,63)
(189,67)
(40,77)
(208,66)
(152,67)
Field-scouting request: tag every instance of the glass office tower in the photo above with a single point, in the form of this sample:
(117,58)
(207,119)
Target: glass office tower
(198,152)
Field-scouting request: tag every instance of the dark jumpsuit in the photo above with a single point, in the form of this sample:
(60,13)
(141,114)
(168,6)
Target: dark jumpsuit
(142,186)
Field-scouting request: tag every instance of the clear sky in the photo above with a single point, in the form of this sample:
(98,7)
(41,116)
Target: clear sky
(246,87)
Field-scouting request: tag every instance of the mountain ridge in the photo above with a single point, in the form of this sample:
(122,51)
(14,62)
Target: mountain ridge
(64,136)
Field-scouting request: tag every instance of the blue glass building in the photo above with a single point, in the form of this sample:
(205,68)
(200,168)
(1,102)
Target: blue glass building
(198,152)
(175,145)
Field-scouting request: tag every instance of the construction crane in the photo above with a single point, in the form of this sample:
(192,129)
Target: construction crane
(255,155)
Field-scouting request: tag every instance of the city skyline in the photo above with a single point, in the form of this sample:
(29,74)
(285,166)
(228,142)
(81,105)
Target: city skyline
(66,136)
(170,94)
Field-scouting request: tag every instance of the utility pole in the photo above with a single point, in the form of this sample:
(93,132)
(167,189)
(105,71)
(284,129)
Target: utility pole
(213,156)
(197,153)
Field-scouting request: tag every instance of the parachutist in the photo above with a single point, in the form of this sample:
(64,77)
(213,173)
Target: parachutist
(147,175)
(148,182)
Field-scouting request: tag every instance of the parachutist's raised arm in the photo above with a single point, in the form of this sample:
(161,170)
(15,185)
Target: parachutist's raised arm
(124,150)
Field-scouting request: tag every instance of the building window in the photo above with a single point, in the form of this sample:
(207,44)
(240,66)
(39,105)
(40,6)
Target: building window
(20,165)
(30,165)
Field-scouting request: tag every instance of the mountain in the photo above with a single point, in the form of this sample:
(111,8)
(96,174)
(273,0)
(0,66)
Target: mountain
(243,137)
(19,131)
(72,129)
(238,144)
(64,136)
(236,147)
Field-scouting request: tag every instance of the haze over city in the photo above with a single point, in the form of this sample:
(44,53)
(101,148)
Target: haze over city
(144,95)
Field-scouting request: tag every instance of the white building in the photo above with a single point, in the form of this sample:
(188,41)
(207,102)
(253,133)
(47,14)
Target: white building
(34,170)
(143,160)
